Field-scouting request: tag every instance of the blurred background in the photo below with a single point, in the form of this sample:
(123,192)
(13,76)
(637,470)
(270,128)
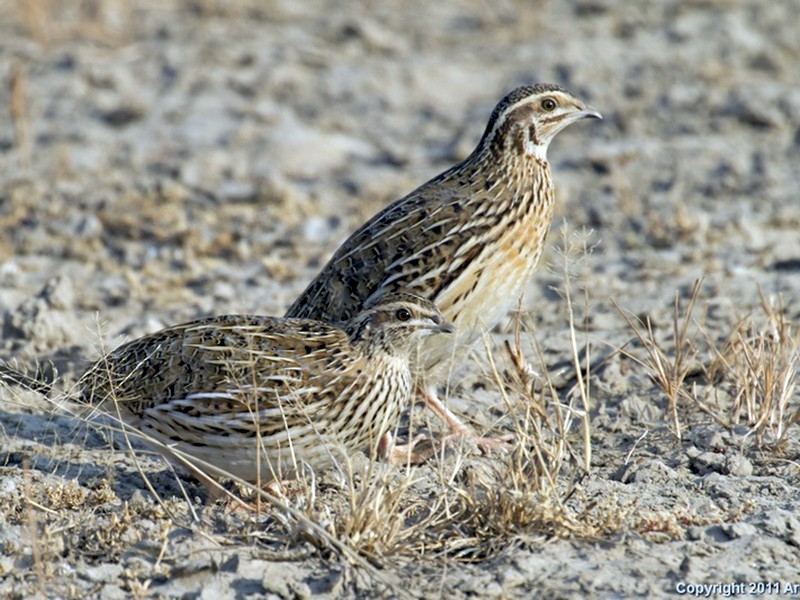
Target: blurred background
(171,159)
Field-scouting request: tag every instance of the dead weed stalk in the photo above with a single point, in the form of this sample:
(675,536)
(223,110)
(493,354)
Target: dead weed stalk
(669,370)
(761,361)
(757,364)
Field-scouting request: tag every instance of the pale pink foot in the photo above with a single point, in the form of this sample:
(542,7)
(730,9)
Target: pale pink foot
(402,454)
(458,429)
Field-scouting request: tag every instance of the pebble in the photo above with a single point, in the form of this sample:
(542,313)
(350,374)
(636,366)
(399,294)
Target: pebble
(740,530)
(103,572)
(738,465)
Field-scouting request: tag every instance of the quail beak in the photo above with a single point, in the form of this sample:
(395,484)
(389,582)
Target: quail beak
(445,327)
(582,111)
(587,112)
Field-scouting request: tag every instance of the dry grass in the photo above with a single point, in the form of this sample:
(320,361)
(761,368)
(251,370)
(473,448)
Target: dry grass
(574,253)
(669,370)
(459,507)
(749,378)
(760,364)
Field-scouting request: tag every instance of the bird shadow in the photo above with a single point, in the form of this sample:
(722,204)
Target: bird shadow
(88,452)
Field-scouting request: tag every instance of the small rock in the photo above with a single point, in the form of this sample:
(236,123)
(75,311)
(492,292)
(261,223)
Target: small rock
(301,590)
(9,270)
(331,584)
(375,36)
(224,291)
(720,486)
(316,228)
(692,567)
(8,486)
(709,461)
(217,589)
(114,592)
(738,465)
(492,590)
(122,115)
(740,530)
(44,320)
(715,533)
(783,525)
(717,442)
(274,581)
(646,471)
(90,227)
(710,438)
(511,578)
(6,565)
(102,572)
(236,191)
(695,533)
(58,293)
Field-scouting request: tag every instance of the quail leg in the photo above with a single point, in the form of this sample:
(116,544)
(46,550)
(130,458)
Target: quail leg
(401,454)
(458,429)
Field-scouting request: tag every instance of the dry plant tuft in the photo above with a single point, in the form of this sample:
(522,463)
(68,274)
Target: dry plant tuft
(379,515)
(376,520)
(757,365)
(578,249)
(68,495)
(533,492)
(669,370)
(761,362)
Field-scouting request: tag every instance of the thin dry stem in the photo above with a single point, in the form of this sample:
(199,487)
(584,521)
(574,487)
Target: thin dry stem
(20,118)
(33,526)
(762,364)
(669,372)
(581,372)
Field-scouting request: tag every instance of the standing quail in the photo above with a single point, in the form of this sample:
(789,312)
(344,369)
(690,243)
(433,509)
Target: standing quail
(469,239)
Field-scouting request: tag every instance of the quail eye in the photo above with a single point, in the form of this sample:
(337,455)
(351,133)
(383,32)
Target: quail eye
(549,104)
(403,314)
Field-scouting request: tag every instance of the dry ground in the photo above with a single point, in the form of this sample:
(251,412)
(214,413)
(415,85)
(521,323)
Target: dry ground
(161,161)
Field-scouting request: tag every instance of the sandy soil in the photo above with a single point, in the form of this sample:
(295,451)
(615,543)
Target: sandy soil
(181,159)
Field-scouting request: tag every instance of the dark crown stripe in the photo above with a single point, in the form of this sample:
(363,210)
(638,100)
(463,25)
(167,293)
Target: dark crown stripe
(513,97)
